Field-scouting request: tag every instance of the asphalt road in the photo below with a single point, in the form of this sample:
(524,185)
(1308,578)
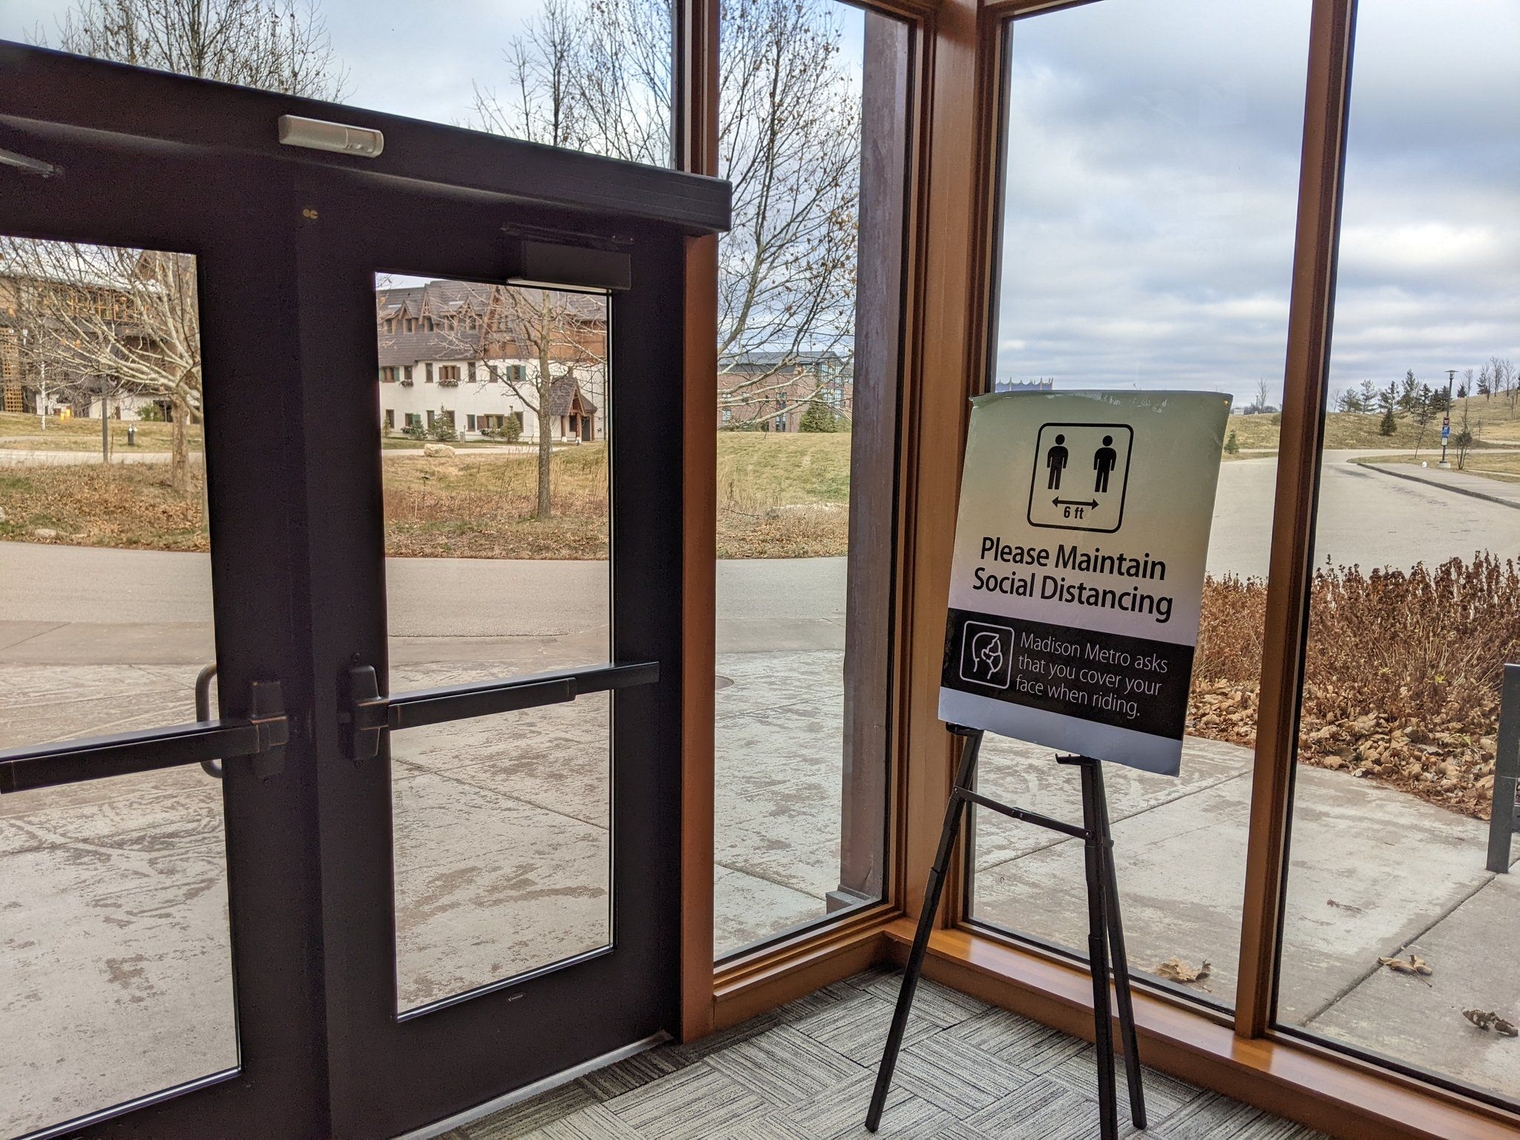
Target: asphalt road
(1366,518)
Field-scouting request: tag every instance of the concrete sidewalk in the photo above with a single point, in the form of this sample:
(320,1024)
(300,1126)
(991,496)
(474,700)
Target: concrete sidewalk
(1373,873)
(1499,491)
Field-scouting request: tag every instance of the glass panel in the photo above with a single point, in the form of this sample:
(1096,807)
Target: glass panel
(809,285)
(503,854)
(115,958)
(1149,190)
(1413,610)
(115,954)
(493,405)
(590,75)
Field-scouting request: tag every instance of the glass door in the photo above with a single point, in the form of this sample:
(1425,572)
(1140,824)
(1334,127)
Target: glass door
(492,455)
(393,444)
(156,822)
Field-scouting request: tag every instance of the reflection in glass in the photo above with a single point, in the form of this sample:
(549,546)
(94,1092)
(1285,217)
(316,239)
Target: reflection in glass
(503,856)
(114,951)
(493,404)
(1413,608)
(809,282)
(1147,242)
(592,75)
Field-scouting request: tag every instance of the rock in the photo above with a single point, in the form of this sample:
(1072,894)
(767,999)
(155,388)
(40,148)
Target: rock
(2,514)
(44,533)
(438,451)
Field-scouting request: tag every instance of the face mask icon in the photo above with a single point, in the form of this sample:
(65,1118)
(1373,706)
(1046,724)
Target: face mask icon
(985,653)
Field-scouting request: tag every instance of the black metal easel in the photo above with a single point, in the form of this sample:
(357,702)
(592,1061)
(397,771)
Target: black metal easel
(1104,931)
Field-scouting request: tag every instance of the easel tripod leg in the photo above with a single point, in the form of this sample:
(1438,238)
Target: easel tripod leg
(932,893)
(1097,951)
(1121,960)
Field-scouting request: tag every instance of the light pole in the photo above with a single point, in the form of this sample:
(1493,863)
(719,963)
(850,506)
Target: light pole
(1451,375)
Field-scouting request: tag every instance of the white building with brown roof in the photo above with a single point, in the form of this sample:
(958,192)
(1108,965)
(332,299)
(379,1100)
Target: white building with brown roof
(469,354)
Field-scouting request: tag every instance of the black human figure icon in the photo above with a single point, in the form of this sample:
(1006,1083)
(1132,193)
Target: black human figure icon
(1055,459)
(1104,461)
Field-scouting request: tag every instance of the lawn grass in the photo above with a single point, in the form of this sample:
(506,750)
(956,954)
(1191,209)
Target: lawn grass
(25,432)
(1343,431)
(1501,465)
(779,497)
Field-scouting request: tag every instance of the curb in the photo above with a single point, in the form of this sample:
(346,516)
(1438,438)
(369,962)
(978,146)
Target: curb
(1511,503)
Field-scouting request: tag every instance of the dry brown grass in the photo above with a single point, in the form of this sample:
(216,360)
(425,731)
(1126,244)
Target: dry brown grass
(1403,670)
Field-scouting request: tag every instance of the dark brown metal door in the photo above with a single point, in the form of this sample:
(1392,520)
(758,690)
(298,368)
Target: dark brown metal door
(449,787)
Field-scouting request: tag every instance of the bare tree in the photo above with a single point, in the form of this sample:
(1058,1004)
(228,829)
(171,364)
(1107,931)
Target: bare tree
(106,319)
(595,75)
(130,315)
(550,328)
(275,45)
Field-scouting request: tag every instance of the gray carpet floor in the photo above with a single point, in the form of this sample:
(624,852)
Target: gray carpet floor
(967,1071)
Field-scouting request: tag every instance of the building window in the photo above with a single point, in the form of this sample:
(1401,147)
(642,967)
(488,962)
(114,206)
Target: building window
(469,422)
(411,324)
(406,373)
(448,373)
(430,420)
(390,419)
(492,375)
(472,372)
(414,420)
(388,375)
(428,372)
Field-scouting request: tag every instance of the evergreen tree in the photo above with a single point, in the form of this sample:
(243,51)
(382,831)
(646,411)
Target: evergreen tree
(818,416)
(1389,425)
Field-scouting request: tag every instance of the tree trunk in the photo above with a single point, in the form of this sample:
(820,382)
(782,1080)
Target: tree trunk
(179,448)
(545,439)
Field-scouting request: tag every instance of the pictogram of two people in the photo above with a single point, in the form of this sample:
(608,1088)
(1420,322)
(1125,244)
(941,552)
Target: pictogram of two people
(1105,459)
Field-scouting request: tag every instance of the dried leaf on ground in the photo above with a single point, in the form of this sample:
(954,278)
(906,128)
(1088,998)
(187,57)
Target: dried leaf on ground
(1176,970)
(1488,1019)
(1414,964)
(1343,906)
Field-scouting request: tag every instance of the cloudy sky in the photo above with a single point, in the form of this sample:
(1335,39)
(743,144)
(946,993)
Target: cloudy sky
(1152,177)
(402,56)
(1153,152)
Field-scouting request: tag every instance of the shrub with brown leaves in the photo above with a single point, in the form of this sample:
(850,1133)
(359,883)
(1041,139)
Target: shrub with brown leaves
(1402,672)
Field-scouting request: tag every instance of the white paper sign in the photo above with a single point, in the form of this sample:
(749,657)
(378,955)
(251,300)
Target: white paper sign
(1077,580)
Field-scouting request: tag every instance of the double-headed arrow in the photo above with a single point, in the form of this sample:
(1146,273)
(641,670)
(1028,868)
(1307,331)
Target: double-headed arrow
(1092,503)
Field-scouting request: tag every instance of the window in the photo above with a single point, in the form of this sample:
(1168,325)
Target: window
(430,423)
(448,373)
(388,375)
(428,372)
(1412,608)
(1147,231)
(390,419)
(472,372)
(406,373)
(413,420)
(804,599)
(411,324)
(469,423)
(492,376)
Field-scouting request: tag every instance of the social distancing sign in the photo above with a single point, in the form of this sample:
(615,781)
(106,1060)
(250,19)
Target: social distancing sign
(1077,580)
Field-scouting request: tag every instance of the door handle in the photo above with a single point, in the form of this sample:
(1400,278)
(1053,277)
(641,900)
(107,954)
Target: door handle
(203,681)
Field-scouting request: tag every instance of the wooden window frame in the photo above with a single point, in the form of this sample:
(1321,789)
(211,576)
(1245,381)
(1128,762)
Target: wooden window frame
(951,227)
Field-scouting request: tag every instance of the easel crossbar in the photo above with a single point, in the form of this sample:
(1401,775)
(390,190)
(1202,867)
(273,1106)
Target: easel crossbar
(1023,815)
